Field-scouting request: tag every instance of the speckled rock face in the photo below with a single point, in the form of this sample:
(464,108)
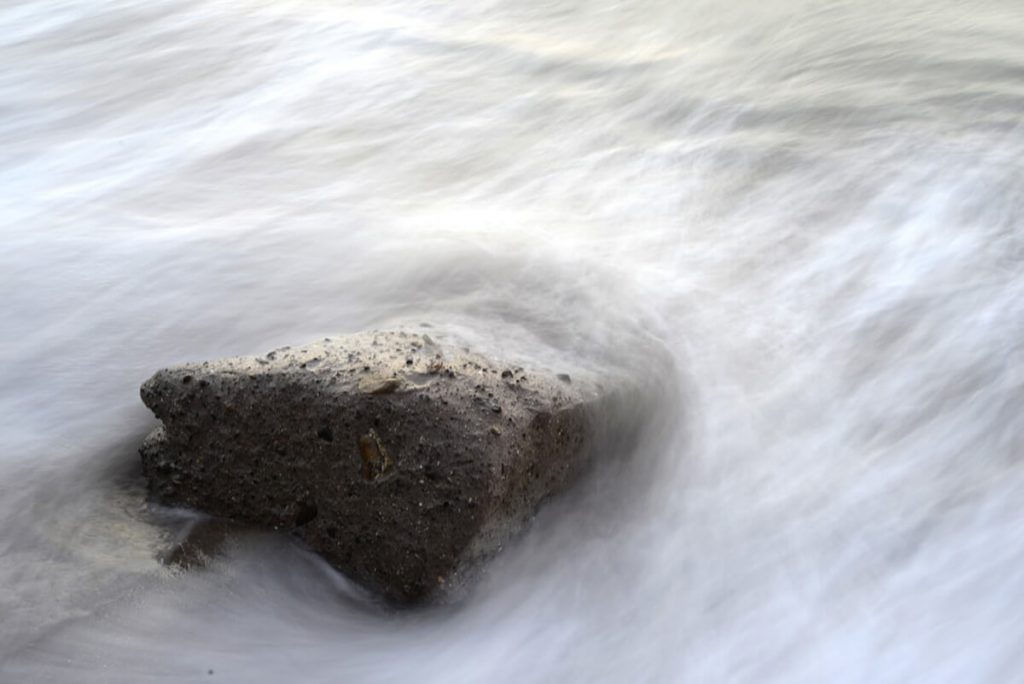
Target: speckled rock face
(404,460)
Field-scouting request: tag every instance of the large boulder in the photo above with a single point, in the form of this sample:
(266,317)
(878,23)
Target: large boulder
(403,460)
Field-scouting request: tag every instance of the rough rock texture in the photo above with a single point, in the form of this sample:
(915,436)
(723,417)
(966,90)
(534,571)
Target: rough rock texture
(402,460)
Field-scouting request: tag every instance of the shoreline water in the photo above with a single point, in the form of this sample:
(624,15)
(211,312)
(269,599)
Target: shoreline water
(814,207)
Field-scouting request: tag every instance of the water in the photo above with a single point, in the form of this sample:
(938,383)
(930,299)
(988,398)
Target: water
(813,207)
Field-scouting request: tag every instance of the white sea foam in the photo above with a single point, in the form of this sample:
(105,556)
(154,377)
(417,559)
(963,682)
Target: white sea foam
(814,207)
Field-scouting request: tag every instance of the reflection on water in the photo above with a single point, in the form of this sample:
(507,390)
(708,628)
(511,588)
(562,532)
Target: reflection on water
(814,208)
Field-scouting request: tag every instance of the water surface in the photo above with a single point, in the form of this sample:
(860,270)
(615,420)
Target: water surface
(813,207)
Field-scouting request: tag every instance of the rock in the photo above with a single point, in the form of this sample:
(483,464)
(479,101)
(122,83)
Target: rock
(404,461)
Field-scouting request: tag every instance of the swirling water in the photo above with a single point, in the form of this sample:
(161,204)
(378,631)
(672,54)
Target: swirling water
(814,207)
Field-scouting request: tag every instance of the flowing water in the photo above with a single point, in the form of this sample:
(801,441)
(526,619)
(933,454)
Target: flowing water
(813,208)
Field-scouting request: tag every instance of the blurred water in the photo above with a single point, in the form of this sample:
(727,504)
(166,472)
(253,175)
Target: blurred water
(815,207)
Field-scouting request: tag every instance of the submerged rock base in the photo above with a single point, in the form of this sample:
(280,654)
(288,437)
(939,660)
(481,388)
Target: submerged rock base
(404,461)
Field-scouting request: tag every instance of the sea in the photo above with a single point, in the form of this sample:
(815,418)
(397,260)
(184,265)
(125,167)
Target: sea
(799,224)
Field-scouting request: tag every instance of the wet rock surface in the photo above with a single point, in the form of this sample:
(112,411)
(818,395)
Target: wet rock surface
(403,460)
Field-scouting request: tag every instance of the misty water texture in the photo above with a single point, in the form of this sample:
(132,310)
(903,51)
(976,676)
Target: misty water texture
(812,209)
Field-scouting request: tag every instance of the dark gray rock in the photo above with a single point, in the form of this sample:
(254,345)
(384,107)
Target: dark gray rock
(403,461)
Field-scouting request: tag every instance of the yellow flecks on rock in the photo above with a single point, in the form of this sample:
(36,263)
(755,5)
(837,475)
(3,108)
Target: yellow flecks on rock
(376,462)
(376,384)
